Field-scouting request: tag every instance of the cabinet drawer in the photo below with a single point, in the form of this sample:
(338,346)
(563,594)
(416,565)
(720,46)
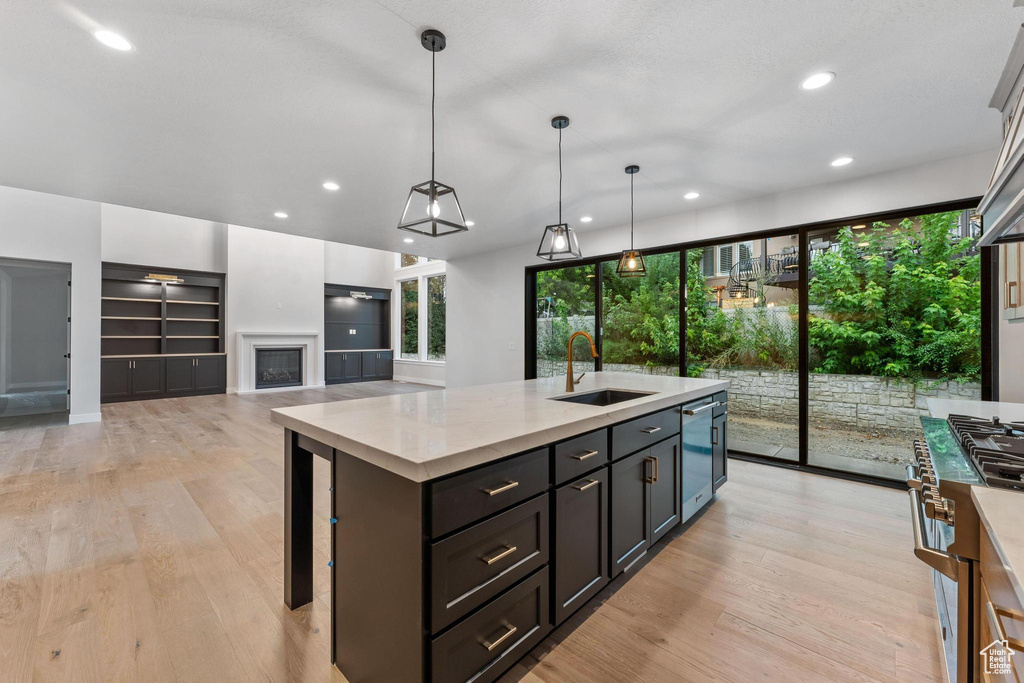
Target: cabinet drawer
(474,565)
(579,455)
(466,498)
(485,645)
(630,437)
(722,398)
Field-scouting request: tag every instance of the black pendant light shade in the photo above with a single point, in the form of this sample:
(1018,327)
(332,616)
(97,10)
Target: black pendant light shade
(558,243)
(631,263)
(432,208)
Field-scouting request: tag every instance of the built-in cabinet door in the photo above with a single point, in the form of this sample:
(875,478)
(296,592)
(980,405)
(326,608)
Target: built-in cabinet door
(385,365)
(1012,271)
(334,367)
(719,451)
(209,373)
(116,378)
(147,376)
(352,366)
(181,376)
(630,510)
(369,365)
(666,497)
(581,552)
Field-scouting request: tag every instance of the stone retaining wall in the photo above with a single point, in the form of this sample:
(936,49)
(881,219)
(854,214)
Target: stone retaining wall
(869,404)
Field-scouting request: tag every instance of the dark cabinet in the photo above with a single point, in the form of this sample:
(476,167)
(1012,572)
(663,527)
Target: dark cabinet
(351,366)
(631,510)
(116,379)
(580,547)
(385,365)
(355,366)
(334,368)
(666,480)
(125,379)
(719,451)
(369,360)
(161,376)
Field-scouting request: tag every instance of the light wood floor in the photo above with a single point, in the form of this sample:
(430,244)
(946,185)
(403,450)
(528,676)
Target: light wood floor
(148,547)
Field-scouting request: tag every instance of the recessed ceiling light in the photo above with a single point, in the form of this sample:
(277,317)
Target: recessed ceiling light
(280,214)
(113,40)
(691,195)
(408,240)
(842,161)
(332,186)
(818,80)
(586,219)
(470,224)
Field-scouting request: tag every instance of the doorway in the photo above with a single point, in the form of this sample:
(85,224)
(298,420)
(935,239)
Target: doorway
(35,333)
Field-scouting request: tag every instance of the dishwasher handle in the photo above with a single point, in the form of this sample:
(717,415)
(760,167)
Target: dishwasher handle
(945,563)
(697,411)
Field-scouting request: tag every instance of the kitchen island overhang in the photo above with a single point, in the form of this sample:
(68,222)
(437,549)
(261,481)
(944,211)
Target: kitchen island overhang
(467,523)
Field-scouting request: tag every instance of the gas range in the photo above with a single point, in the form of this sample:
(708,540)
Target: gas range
(995,448)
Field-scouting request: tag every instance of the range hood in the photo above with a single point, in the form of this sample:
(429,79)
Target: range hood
(1002,207)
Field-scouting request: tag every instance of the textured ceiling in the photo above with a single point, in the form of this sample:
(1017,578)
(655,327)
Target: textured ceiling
(230,110)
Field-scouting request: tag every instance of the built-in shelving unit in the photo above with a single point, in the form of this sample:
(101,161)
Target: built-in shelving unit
(145,320)
(357,334)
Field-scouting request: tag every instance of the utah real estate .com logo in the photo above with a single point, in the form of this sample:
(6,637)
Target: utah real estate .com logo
(996,658)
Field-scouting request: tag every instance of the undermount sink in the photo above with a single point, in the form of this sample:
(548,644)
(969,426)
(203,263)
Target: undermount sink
(604,397)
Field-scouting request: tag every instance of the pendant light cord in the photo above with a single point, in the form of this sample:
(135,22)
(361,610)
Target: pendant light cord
(631,211)
(433,96)
(559,176)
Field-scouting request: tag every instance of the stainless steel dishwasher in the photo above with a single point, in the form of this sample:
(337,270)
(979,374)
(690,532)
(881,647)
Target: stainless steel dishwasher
(697,455)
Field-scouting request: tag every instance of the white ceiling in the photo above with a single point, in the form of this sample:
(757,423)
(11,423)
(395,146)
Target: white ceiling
(230,110)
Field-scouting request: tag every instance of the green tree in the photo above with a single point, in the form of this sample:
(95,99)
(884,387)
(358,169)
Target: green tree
(437,301)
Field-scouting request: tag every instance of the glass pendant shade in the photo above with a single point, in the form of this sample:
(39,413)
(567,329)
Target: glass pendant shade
(631,264)
(558,243)
(433,210)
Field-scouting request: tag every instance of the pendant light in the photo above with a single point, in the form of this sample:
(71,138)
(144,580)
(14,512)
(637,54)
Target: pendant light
(558,243)
(631,263)
(432,208)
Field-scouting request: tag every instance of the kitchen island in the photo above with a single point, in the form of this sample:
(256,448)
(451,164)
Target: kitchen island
(468,523)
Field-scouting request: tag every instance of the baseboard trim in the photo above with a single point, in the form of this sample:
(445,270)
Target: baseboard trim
(419,380)
(82,418)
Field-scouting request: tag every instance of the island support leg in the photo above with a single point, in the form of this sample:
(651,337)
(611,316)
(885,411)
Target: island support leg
(298,522)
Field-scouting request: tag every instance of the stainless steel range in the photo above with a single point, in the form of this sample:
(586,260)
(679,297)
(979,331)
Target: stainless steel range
(956,454)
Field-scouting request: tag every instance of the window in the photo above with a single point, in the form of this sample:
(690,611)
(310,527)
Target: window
(566,302)
(410,347)
(640,318)
(436,299)
(724,259)
(707,263)
(407,260)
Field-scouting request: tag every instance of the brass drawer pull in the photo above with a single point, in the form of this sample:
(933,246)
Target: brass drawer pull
(584,455)
(501,489)
(997,627)
(584,487)
(509,631)
(714,438)
(650,430)
(509,549)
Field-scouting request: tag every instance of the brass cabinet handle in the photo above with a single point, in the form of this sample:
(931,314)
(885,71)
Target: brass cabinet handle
(714,437)
(1011,287)
(501,489)
(584,455)
(510,629)
(509,549)
(584,487)
(656,469)
(650,479)
(650,430)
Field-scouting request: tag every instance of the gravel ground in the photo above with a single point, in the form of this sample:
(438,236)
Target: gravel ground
(828,442)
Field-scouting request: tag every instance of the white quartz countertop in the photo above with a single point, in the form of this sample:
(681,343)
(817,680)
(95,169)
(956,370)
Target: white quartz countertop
(429,434)
(1006,412)
(1001,512)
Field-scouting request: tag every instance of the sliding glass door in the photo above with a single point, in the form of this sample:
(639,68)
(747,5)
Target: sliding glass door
(741,325)
(833,337)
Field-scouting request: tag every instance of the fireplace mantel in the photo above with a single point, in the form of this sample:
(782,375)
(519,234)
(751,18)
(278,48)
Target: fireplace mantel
(246,344)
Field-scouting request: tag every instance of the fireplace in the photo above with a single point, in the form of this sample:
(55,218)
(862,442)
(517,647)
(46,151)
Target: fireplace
(278,367)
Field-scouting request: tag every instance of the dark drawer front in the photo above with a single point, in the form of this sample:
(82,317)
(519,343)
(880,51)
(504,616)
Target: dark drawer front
(630,437)
(722,398)
(486,644)
(468,497)
(474,565)
(576,457)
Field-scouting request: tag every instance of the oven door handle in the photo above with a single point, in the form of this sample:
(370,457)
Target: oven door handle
(945,563)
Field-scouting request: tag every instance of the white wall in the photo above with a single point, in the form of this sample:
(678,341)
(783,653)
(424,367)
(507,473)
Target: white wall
(38,329)
(345,264)
(162,240)
(46,227)
(488,289)
(275,283)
